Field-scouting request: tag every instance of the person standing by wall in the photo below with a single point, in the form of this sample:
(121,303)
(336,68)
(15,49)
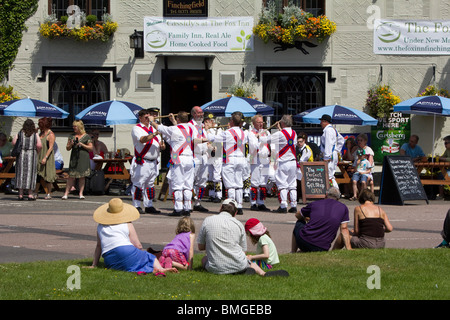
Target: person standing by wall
(46,158)
(26,162)
(80,144)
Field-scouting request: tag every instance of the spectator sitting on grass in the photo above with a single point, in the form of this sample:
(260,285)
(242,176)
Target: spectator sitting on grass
(223,237)
(319,222)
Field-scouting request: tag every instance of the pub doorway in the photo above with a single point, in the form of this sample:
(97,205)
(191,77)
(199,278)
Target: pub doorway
(183,89)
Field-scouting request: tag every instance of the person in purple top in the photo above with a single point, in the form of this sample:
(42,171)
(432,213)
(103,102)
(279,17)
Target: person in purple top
(318,223)
(179,253)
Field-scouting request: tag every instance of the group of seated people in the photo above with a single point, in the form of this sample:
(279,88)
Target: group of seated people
(413,150)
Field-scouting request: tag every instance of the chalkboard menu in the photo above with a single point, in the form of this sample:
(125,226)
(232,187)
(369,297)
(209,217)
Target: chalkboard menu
(400,181)
(315,182)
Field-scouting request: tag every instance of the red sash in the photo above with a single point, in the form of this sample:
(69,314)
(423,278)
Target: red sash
(139,156)
(238,143)
(175,155)
(200,130)
(290,143)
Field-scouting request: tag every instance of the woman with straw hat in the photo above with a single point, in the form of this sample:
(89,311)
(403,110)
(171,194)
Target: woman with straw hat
(118,243)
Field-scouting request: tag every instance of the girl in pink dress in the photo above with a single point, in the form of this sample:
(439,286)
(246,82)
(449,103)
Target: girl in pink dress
(179,253)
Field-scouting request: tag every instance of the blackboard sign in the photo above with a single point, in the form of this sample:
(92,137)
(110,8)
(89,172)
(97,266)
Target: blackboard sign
(400,181)
(315,182)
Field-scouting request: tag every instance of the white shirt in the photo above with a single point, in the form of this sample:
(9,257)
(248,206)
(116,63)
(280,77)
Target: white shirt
(330,141)
(175,138)
(154,151)
(278,139)
(257,149)
(113,236)
(200,149)
(228,140)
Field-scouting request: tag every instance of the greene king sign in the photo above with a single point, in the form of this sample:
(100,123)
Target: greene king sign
(224,34)
(411,37)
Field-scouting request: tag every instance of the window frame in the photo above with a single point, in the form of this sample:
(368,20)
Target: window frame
(282,86)
(71,2)
(69,79)
(303,3)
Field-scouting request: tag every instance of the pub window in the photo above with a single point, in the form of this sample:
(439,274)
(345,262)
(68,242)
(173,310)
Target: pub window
(74,92)
(316,7)
(293,93)
(95,7)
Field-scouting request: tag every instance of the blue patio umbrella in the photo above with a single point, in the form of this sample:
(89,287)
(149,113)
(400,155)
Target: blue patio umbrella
(110,112)
(339,115)
(427,106)
(226,106)
(31,108)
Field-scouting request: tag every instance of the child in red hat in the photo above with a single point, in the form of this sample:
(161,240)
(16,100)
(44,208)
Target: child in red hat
(266,252)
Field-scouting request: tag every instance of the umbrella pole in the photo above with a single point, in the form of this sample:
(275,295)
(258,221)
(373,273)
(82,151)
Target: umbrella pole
(434,129)
(114,129)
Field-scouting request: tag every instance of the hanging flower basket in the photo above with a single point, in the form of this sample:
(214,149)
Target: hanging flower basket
(292,25)
(432,90)
(380,101)
(100,31)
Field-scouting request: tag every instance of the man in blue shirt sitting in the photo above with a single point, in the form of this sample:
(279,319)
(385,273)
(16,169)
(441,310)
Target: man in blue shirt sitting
(412,149)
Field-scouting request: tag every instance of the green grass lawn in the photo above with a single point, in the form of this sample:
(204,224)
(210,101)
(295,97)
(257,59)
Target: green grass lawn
(404,274)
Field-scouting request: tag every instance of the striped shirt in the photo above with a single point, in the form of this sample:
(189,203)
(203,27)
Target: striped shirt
(225,241)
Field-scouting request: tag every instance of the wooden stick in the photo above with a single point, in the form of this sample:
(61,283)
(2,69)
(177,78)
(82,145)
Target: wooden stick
(165,116)
(272,125)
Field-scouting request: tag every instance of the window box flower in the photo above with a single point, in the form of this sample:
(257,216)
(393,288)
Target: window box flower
(100,31)
(292,25)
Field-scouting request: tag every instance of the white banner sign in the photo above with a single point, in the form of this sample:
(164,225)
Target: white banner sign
(224,34)
(416,37)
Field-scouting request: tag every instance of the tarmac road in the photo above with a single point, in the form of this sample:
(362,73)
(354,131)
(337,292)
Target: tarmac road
(60,230)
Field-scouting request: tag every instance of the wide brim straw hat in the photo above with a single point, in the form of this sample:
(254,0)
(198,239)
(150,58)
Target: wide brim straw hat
(115,212)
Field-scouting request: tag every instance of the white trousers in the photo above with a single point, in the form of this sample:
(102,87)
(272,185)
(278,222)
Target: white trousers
(181,182)
(258,179)
(232,176)
(286,179)
(200,179)
(215,175)
(143,179)
(332,169)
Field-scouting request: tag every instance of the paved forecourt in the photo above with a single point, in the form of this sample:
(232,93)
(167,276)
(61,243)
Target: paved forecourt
(59,230)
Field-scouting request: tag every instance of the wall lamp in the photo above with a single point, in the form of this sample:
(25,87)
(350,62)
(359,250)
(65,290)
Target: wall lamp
(137,43)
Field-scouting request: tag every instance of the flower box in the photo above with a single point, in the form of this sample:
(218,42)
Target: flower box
(100,31)
(292,25)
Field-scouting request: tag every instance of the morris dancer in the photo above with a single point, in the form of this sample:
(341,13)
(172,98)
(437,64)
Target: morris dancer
(259,164)
(214,160)
(144,167)
(181,172)
(234,140)
(286,164)
(200,158)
